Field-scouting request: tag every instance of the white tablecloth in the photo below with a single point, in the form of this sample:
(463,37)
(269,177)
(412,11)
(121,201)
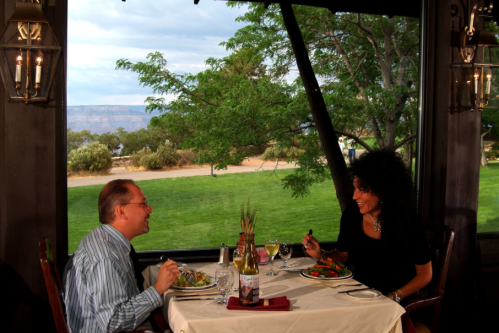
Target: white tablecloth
(314,307)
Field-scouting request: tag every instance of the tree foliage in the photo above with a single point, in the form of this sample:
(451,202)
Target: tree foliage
(366,65)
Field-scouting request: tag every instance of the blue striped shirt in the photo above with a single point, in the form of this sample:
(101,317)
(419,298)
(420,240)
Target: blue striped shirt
(99,285)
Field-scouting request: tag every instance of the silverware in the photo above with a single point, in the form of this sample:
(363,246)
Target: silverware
(343,285)
(197,299)
(196,295)
(347,291)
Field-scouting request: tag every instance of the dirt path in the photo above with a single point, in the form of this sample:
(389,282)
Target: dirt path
(250,165)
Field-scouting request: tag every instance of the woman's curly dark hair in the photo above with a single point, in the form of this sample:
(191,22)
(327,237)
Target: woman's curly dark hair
(383,173)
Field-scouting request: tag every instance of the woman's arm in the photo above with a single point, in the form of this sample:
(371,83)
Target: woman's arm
(422,278)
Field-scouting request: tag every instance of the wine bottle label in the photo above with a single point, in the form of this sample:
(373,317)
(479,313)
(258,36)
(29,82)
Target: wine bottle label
(249,289)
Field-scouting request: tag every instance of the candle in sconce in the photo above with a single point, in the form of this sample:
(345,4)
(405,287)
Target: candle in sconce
(19,62)
(489,81)
(476,83)
(38,76)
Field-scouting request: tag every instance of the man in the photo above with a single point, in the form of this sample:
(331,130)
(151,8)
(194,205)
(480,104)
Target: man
(351,144)
(342,145)
(100,286)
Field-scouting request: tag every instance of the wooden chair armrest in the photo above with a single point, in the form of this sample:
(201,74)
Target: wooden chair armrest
(422,302)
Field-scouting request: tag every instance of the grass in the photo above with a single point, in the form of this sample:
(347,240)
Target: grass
(203,211)
(199,212)
(488,198)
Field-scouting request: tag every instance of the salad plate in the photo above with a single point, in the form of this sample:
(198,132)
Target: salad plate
(305,275)
(212,285)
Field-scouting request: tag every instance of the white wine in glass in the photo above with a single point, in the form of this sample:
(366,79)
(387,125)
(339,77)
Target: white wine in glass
(271,247)
(285,251)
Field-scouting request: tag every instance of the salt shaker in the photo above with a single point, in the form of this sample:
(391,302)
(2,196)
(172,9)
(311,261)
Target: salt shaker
(222,254)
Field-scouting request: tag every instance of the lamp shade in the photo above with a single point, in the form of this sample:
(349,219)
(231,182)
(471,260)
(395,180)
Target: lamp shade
(29,52)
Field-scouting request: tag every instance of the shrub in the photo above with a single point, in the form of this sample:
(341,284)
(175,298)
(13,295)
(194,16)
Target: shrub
(136,157)
(495,146)
(151,161)
(187,156)
(91,157)
(168,154)
(277,153)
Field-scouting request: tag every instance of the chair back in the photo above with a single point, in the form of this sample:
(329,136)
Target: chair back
(53,284)
(440,240)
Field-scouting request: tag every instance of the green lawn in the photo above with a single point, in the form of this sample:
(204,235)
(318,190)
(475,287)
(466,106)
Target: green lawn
(488,199)
(198,212)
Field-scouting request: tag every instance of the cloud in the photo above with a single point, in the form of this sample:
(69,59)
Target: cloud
(101,32)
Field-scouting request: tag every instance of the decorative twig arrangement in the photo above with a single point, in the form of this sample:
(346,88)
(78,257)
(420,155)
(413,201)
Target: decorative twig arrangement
(248,219)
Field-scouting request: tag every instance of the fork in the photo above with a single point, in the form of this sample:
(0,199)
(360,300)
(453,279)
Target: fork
(344,285)
(189,277)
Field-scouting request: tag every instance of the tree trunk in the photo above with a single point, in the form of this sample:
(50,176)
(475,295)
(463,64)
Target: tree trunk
(483,159)
(334,157)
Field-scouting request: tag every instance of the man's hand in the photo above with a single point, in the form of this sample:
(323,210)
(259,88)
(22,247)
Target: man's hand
(168,273)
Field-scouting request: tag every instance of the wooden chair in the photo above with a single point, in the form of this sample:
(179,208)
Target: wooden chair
(440,239)
(53,284)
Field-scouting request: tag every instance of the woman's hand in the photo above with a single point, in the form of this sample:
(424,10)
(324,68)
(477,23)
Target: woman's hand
(312,247)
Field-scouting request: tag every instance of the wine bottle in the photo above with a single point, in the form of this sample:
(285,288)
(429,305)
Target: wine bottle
(249,284)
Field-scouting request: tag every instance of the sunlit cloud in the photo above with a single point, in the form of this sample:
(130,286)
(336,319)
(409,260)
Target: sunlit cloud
(101,32)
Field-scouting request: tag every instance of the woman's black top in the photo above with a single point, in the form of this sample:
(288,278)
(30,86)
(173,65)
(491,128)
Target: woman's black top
(375,264)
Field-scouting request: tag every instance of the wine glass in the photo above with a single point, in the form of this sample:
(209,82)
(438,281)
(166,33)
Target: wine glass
(271,247)
(225,279)
(285,251)
(237,259)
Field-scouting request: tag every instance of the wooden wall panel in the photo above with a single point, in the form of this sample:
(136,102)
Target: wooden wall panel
(33,188)
(451,161)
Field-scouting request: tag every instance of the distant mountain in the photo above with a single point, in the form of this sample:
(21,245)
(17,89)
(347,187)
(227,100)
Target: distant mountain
(106,118)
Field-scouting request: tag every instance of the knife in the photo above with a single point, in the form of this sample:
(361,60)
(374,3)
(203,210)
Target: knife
(347,291)
(197,299)
(197,295)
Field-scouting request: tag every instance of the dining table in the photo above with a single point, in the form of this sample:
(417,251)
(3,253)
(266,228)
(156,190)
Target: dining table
(315,305)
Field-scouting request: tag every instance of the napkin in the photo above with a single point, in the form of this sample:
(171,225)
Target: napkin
(275,304)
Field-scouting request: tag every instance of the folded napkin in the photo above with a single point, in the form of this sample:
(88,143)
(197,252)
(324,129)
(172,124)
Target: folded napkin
(275,304)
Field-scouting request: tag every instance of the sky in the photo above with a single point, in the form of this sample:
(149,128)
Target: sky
(103,31)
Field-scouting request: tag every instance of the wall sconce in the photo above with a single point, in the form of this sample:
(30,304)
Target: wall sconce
(476,68)
(29,52)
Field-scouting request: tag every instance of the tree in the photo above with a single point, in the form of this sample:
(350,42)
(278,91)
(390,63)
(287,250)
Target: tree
(111,141)
(149,138)
(367,65)
(78,139)
(232,108)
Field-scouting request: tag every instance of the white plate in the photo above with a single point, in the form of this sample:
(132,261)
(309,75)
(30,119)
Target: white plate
(187,289)
(364,294)
(306,276)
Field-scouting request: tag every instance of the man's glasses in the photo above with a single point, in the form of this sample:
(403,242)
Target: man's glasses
(143,204)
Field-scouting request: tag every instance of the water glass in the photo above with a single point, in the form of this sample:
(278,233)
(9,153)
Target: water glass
(285,251)
(225,279)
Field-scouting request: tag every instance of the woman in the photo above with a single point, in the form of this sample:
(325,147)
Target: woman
(381,238)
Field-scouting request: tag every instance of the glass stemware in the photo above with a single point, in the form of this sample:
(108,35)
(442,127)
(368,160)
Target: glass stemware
(271,247)
(225,279)
(237,259)
(285,251)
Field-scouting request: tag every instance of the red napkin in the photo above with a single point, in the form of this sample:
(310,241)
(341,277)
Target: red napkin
(275,304)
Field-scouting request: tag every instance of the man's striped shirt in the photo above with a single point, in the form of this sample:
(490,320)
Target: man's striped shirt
(101,294)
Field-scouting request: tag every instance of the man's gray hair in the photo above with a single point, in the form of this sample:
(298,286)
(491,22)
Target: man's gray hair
(114,193)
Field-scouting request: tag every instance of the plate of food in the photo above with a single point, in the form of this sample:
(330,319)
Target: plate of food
(327,270)
(203,282)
